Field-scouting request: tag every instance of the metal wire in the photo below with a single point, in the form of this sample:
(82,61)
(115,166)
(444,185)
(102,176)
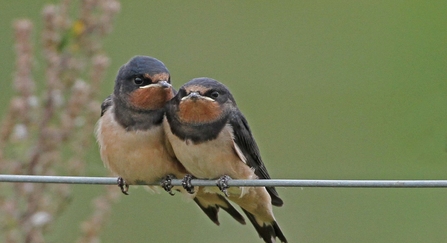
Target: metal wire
(255,183)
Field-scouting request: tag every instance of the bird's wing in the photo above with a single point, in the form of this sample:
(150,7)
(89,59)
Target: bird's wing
(246,144)
(106,104)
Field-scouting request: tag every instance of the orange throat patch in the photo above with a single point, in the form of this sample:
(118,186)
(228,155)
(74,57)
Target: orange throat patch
(152,98)
(199,111)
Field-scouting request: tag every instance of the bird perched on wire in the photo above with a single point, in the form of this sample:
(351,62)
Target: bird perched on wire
(212,140)
(131,137)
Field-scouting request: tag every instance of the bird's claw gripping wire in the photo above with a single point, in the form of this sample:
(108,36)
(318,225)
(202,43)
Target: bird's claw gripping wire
(222,183)
(186,183)
(123,185)
(166,183)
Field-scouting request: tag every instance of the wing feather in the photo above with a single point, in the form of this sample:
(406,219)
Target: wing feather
(106,104)
(246,144)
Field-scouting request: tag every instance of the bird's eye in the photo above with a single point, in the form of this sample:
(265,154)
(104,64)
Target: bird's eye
(138,81)
(142,81)
(214,95)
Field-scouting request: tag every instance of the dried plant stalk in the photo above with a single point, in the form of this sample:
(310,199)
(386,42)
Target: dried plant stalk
(48,132)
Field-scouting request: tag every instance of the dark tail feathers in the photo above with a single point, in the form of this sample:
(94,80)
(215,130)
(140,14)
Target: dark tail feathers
(212,211)
(276,200)
(267,232)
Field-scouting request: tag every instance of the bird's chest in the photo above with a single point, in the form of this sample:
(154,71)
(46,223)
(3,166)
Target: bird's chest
(133,155)
(210,159)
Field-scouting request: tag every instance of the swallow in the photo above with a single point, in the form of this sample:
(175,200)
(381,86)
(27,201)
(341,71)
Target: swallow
(131,137)
(211,138)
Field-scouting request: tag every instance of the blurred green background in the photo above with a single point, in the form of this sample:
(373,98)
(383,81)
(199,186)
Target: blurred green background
(331,89)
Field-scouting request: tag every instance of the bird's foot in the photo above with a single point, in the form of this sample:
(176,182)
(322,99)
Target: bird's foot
(123,185)
(186,183)
(222,183)
(166,184)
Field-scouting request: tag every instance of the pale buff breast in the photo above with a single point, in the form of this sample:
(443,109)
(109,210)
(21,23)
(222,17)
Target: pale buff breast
(210,159)
(134,155)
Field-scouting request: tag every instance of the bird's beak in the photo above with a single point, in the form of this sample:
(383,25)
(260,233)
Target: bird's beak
(163,84)
(195,96)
